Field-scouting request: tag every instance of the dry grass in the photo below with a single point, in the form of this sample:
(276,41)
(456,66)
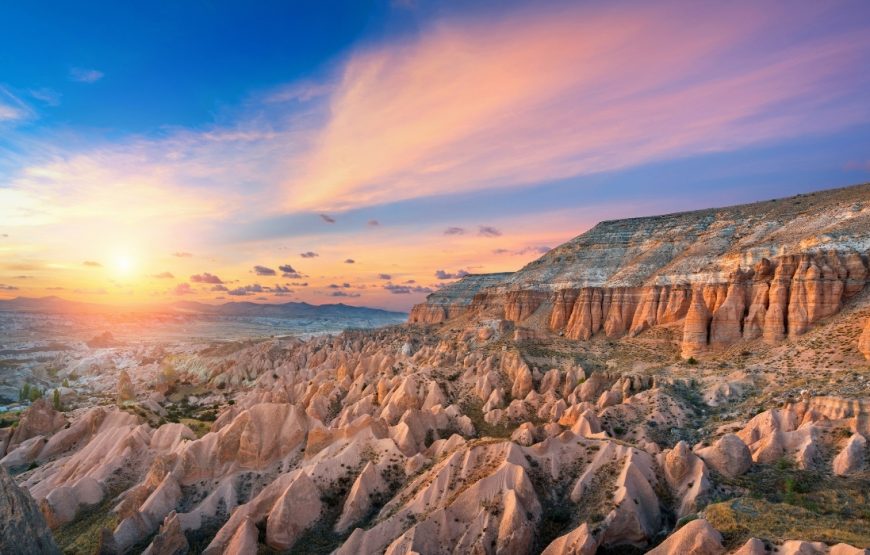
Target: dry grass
(743,518)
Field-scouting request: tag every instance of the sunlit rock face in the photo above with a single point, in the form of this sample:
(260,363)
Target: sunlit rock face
(768,270)
(864,341)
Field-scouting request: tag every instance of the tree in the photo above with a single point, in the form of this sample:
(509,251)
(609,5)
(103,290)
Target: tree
(125,388)
(55,401)
(35,393)
(24,392)
(65,382)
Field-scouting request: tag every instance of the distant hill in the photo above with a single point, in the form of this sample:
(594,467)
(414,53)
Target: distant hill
(54,305)
(285,310)
(290,310)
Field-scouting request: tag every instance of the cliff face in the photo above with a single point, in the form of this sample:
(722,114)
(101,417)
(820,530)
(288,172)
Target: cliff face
(766,270)
(454,300)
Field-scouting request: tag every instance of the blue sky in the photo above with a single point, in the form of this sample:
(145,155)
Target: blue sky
(130,134)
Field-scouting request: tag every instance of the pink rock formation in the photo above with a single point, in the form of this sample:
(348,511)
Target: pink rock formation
(753,546)
(578,541)
(697,537)
(170,540)
(686,475)
(727,323)
(40,419)
(852,458)
(728,456)
(625,277)
(697,327)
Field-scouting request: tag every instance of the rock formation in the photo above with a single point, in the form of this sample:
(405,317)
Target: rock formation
(696,537)
(728,456)
(22,528)
(864,341)
(720,274)
(851,458)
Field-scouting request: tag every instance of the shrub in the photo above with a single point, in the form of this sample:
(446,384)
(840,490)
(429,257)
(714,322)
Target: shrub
(55,401)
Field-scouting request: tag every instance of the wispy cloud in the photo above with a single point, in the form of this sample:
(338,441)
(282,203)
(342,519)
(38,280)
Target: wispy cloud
(85,75)
(546,94)
(46,95)
(523,251)
(12,108)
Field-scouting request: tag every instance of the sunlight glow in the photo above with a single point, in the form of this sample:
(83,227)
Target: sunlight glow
(124,264)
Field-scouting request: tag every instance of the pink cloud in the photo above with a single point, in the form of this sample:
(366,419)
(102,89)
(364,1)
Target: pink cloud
(535,97)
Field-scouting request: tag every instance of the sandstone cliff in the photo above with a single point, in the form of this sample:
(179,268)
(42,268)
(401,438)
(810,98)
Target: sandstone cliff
(864,342)
(766,270)
(453,301)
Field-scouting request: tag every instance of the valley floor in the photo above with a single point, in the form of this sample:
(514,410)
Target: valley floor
(459,438)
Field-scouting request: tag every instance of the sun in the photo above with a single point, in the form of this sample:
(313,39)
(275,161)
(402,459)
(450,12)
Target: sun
(124,264)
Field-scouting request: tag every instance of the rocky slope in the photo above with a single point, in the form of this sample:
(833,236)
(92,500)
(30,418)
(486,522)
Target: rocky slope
(521,427)
(767,270)
(400,441)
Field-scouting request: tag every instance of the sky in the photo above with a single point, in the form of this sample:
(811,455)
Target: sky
(371,152)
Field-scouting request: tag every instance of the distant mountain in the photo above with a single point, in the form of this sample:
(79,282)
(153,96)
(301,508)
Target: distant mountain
(290,310)
(285,310)
(54,305)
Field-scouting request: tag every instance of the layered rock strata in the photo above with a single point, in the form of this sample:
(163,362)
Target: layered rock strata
(767,270)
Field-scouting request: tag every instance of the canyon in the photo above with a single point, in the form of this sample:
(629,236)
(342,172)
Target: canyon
(692,383)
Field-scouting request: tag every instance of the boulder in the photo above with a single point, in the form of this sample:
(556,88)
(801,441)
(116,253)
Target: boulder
(22,526)
(851,458)
(728,456)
